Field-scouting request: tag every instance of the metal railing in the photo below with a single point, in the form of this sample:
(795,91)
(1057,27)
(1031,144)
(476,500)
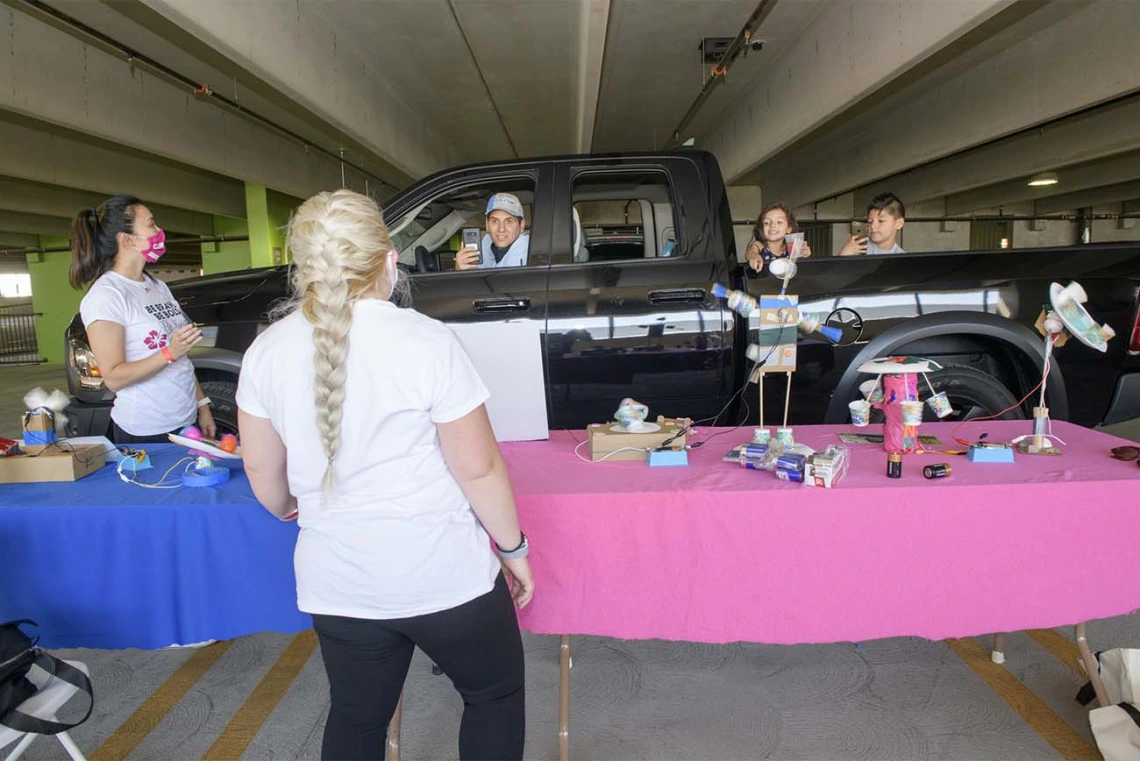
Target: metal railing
(18,344)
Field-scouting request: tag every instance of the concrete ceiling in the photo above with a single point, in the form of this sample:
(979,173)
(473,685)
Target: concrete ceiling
(951,104)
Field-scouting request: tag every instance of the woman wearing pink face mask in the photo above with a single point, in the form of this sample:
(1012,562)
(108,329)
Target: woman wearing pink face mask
(137,330)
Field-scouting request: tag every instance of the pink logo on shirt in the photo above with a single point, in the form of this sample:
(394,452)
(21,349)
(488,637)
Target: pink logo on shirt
(155,340)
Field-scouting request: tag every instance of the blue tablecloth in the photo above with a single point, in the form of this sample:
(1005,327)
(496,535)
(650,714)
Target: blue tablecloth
(102,563)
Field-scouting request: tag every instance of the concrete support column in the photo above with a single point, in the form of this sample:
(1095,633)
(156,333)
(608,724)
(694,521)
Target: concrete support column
(52,297)
(267,216)
(260,233)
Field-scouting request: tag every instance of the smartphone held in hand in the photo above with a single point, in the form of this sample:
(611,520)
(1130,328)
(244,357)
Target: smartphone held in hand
(471,240)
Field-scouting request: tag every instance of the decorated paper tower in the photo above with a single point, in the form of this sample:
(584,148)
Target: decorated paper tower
(900,384)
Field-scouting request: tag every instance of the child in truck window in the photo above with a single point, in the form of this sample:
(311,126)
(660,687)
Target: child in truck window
(775,221)
(886,216)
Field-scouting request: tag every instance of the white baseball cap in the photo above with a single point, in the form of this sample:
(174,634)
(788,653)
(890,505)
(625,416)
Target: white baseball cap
(507,202)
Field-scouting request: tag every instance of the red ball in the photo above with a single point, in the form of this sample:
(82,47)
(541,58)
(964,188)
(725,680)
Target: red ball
(228,443)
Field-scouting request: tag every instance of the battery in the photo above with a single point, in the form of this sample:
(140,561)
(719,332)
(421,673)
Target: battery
(894,465)
(938,470)
(754,451)
(795,476)
(791,461)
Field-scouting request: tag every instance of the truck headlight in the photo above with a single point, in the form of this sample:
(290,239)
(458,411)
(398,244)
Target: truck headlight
(87,369)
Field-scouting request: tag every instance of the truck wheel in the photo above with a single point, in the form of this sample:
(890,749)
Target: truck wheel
(222,394)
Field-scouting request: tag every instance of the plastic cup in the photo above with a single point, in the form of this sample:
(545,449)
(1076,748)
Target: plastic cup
(795,244)
(762,435)
(785,436)
(911,412)
(860,412)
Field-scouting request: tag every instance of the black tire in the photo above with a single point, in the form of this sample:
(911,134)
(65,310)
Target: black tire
(222,393)
(972,393)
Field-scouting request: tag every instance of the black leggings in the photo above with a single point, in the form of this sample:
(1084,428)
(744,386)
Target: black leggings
(477,645)
(119,436)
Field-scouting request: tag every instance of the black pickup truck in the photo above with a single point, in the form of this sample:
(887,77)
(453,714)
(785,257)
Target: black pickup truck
(623,251)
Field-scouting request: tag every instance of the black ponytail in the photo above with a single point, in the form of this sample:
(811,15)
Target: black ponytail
(94,238)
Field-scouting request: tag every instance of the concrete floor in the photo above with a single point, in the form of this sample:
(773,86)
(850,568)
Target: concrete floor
(265,696)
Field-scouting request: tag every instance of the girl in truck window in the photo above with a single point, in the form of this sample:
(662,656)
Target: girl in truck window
(775,221)
(138,332)
(367,422)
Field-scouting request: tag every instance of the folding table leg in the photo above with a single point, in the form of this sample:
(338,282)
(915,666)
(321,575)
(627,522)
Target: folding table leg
(997,655)
(1092,668)
(21,746)
(564,699)
(394,731)
(70,746)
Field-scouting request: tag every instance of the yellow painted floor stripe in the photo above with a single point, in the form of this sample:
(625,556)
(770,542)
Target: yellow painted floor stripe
(143,721)
(1031,708)
(246,723)
(1064,650)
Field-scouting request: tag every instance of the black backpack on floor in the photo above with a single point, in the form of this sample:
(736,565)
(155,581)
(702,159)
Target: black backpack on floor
(18,653)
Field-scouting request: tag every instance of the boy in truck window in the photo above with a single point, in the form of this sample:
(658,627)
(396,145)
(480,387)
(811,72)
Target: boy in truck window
(506,243)
(886,216)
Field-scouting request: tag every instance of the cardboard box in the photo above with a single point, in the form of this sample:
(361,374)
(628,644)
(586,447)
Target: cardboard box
(605,442)
(39,430)
(59,463)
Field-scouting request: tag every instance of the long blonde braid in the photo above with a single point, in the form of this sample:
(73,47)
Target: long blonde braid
(339,243)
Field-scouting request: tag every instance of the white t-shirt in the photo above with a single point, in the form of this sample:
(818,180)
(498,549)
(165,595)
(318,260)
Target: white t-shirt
(396,537)
(873,250)
(149,314)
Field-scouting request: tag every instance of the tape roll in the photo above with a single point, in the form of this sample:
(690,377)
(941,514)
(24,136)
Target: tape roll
(198,477)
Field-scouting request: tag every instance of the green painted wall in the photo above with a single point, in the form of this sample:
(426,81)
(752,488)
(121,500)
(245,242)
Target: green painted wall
(280,208)
(52,296)
(226,257)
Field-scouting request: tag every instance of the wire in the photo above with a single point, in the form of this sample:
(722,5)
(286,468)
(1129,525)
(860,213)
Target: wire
(1032,391)
(157,484)
(608,454)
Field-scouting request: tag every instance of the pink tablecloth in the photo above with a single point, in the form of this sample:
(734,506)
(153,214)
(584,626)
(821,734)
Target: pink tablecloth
(716,553)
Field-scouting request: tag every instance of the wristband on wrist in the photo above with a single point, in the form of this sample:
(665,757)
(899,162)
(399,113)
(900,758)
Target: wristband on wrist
(204,401)
(518,553)
(167,355)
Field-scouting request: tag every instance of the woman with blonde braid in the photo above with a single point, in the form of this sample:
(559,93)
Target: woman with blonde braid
(368,420)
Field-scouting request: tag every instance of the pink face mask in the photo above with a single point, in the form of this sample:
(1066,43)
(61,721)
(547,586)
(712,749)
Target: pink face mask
(155,247)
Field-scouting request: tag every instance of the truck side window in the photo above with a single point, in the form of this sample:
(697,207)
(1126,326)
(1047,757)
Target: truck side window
(623,215)
(432,235)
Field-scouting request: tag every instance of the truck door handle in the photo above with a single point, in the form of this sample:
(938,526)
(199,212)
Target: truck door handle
(500,306)
(677,296)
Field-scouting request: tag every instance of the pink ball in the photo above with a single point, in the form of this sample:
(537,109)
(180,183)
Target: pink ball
(192,432)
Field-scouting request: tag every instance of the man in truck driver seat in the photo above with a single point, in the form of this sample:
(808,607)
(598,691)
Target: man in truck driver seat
(506,242)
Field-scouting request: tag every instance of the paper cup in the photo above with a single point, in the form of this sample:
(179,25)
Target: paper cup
(782,268)
(785,436)
(911,413)
(630,413)
(872,391)
(860,412)
(761,435)
(939,404)
(1074,292)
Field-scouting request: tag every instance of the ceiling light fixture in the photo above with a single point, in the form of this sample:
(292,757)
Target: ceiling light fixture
(1043,179)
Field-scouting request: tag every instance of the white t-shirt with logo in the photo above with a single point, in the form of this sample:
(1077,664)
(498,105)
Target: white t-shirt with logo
(396,537)
(149,314)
